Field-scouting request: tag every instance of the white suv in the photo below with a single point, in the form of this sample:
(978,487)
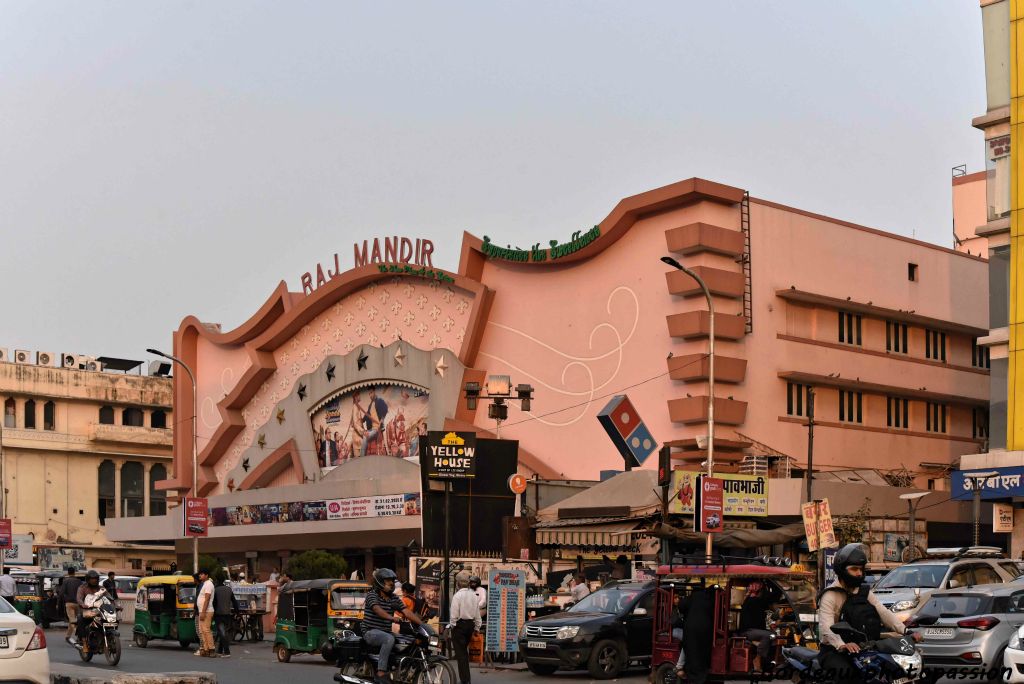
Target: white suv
(907,587)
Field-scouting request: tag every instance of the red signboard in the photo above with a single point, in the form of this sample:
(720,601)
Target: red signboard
(197,516)
(6,535)
(710,506)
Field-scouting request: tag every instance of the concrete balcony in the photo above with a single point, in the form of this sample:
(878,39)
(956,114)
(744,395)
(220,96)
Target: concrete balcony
(720,282)
(690,410)
(694,367)
(126,434)
(696,324)
(704,237)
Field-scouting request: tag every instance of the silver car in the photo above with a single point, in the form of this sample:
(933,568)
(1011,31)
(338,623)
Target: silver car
(966,630)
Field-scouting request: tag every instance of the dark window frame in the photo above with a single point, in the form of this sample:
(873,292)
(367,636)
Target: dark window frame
(30,414)
(49,416)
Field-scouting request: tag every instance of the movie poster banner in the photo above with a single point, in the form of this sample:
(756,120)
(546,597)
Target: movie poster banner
(375,420)
(745,495)
(315,511)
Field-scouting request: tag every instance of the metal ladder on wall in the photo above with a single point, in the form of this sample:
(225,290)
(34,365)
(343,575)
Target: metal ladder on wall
(748,305)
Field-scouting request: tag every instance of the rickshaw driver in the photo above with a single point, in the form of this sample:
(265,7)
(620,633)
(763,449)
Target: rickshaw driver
(379,612)
(759,600)
(843,601)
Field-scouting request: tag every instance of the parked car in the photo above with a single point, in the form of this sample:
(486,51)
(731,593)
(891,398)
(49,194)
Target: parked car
(966,631)
(603,633)
(23,653)
(905,588)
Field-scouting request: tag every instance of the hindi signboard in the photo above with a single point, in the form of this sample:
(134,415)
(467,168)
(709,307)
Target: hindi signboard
(1005,484)
(450,455)
(197,517)
(742,495)
(1002,517)
(809,512)
(6,534)
(818,527)
(373,506)
(506,609)
(710,504)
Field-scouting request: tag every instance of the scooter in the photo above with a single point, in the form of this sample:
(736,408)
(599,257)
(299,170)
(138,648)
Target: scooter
(893,660)
(101,634)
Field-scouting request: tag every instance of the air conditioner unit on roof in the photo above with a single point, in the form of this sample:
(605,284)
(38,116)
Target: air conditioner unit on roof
(22,356)
(68,360)
(44,358)
(5,355)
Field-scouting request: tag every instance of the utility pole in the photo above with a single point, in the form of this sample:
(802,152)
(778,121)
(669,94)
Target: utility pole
(977,483)
(810,440)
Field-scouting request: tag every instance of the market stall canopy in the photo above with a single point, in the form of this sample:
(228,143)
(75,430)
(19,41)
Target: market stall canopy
(604,535)
(736,539)
(635,491)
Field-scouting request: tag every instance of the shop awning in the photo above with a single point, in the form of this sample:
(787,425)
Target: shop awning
(608,536)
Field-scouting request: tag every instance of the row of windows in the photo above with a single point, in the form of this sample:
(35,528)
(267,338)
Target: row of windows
(133,487)
(131,416)
(896,340)
(897,410)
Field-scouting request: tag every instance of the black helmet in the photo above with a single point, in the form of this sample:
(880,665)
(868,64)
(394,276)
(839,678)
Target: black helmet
(92,575)
(382,575)
(851,554)
(474,581)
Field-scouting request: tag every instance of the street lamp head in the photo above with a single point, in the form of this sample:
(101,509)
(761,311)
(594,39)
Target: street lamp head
(981,475)
(157,352)
(672,262)
(911,496)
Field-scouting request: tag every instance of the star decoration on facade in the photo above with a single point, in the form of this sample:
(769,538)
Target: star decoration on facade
(302,391)
(440,367)
(361,360)
(262,441)
(399,356)
(245,465)
(280,416)
(330,372)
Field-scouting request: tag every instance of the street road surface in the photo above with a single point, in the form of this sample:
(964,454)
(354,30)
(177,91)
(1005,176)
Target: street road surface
(254,663)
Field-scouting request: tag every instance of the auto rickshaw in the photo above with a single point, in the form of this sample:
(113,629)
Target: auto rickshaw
(302,620)
(793,620)
(165,609)
(345,609)
(28,599)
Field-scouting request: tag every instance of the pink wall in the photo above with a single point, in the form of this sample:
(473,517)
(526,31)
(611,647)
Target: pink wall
(970,212)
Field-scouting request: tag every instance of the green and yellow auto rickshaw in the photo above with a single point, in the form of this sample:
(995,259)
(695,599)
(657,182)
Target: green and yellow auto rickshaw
(302,622)
(28,598)
(165,609)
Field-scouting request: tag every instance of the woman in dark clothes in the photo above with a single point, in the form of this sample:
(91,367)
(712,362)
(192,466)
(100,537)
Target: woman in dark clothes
(700,624)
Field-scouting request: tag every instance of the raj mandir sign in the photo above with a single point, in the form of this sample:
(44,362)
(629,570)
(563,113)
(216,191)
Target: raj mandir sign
(400,252)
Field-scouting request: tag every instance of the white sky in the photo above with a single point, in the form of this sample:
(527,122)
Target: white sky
(250,140)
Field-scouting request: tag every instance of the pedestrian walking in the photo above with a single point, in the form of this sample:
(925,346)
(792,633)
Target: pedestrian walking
(463,623)
(8,587)
(69,593)
(225,607)
(204,616)
(111,586)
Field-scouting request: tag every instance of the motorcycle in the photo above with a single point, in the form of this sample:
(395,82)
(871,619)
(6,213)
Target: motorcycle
(101,633)
(893,660)
(415,659)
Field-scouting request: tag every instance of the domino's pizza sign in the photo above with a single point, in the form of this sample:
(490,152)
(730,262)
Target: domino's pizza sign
(628,432)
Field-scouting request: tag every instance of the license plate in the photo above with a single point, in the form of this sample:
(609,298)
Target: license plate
(542,645)
(904,680)
(939,633)
(3,642)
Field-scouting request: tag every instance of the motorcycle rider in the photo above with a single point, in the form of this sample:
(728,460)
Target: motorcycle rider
(89,587)
(847,600)
(380,610)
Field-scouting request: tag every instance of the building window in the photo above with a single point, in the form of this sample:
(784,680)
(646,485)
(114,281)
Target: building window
(106,415)
(980,356)
(850,407)
(849,328)
(158,419)
(132,489)
(796,398)
(49,417)
(935,417)
(30,415)
(106,491)
(912,272)
(896,337)
(157,497)
(897,413)
(935,345)
(980,423)
(10,413)
(132,417)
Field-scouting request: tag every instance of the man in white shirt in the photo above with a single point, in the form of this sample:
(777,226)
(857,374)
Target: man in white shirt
(8,587)
(463,621)
(204,616)
(481,595)
(580,590)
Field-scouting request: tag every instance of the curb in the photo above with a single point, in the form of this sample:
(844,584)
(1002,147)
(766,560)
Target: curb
(134,678)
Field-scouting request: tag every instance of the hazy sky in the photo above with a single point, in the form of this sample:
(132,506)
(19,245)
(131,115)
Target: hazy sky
(159,159)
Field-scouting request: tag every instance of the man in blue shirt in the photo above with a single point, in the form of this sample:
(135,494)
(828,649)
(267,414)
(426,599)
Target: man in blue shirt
(380,611)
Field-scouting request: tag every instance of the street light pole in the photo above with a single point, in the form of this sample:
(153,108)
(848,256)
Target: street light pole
(195,451)
(913,499)
(711,375)
(977,483)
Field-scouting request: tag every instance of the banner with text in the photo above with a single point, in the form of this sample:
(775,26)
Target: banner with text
(745,495)
(373,506)
(506,609)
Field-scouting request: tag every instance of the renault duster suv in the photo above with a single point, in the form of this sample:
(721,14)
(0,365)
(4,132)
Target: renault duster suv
(603,633)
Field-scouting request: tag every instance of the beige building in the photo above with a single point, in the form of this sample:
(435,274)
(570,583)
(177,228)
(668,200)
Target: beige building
(80,447)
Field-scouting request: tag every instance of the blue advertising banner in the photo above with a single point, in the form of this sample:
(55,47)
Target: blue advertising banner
(1007,483)
(830,572)
(506,609)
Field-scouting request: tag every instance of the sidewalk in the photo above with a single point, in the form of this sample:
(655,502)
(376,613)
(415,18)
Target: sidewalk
(61,673)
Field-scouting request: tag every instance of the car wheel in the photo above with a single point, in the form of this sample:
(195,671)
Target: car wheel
(664,674)
(607,659)
(541,670)
(282,653)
